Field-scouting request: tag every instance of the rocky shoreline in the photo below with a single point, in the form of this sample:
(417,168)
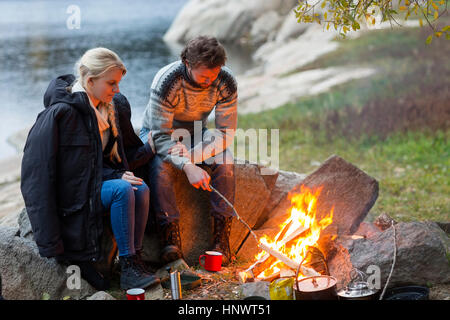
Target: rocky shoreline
(280,47)
(11,201)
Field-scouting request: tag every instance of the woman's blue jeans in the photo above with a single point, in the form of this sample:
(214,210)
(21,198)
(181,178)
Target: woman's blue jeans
(129,213)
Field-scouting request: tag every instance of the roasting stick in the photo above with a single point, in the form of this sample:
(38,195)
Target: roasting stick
(237,216)
(292,236)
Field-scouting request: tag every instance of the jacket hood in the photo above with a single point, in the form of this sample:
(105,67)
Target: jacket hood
(57,93)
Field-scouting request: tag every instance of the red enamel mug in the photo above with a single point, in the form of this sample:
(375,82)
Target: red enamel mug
(136,294)
(213,260)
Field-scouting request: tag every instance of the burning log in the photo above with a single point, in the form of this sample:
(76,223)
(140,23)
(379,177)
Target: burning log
(270,277)
(317,261)
(287,261)
(278,255)
(294,235)
(286,273)
(267,260)
(245,276)
(262,264)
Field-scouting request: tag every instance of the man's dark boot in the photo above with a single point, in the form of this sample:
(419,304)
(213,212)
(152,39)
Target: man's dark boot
(222,228)
(132,276)
(170,241)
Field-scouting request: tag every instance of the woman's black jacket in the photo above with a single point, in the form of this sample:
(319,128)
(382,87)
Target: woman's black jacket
(62,173)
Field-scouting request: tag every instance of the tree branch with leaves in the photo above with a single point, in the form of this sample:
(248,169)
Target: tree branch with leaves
(347,15)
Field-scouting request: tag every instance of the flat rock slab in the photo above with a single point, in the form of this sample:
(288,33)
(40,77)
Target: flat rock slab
(346,188)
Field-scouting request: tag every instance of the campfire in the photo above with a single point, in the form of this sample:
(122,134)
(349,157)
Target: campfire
(294,249)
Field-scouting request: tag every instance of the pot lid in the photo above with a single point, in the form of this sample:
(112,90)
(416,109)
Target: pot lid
(356,290)
(316,283)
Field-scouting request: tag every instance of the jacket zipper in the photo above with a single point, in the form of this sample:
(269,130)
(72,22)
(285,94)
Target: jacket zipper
(91,200)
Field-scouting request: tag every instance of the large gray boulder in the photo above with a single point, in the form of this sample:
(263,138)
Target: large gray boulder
(28,276)
(108,243)
(229,21)
(421,258)
(264,28)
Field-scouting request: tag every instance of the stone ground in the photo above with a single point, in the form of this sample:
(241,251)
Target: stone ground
(221,285)
(440,292)
(224,285)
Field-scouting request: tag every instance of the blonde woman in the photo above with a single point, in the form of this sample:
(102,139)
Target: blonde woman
(74,171)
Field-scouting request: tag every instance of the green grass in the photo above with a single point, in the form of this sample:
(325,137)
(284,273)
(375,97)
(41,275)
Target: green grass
(393,125)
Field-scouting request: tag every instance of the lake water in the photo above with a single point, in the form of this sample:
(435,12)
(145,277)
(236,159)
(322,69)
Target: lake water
(39,41)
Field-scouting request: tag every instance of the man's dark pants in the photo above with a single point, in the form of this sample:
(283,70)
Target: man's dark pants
(162,177)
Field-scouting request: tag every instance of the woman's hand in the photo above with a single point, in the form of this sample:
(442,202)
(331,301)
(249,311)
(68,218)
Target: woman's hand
(197,177)
(180,150)
(129,176)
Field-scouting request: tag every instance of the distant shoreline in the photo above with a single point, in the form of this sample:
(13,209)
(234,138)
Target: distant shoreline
(17,140)
(11,201)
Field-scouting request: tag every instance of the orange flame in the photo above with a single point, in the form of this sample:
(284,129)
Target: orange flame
(302,213)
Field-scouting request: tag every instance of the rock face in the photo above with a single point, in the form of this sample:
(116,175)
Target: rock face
(347,189)
(264,28)
(229,21)
(28,276)
(421,259)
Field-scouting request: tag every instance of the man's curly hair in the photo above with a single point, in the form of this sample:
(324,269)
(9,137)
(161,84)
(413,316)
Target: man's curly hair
(204,50)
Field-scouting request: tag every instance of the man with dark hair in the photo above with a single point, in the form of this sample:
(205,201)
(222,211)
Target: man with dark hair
(182,96)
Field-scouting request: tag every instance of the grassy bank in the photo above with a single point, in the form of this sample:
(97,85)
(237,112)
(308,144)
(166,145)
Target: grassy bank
(393,125)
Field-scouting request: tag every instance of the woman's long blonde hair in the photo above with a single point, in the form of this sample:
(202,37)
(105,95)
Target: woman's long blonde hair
(94,63)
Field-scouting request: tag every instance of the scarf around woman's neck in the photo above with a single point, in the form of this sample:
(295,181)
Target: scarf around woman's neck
(105,119)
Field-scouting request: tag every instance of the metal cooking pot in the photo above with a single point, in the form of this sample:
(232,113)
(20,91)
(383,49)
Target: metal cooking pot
(316,288)
(321,287)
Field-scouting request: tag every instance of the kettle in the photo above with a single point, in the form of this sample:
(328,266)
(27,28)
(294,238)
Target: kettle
(357,288)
